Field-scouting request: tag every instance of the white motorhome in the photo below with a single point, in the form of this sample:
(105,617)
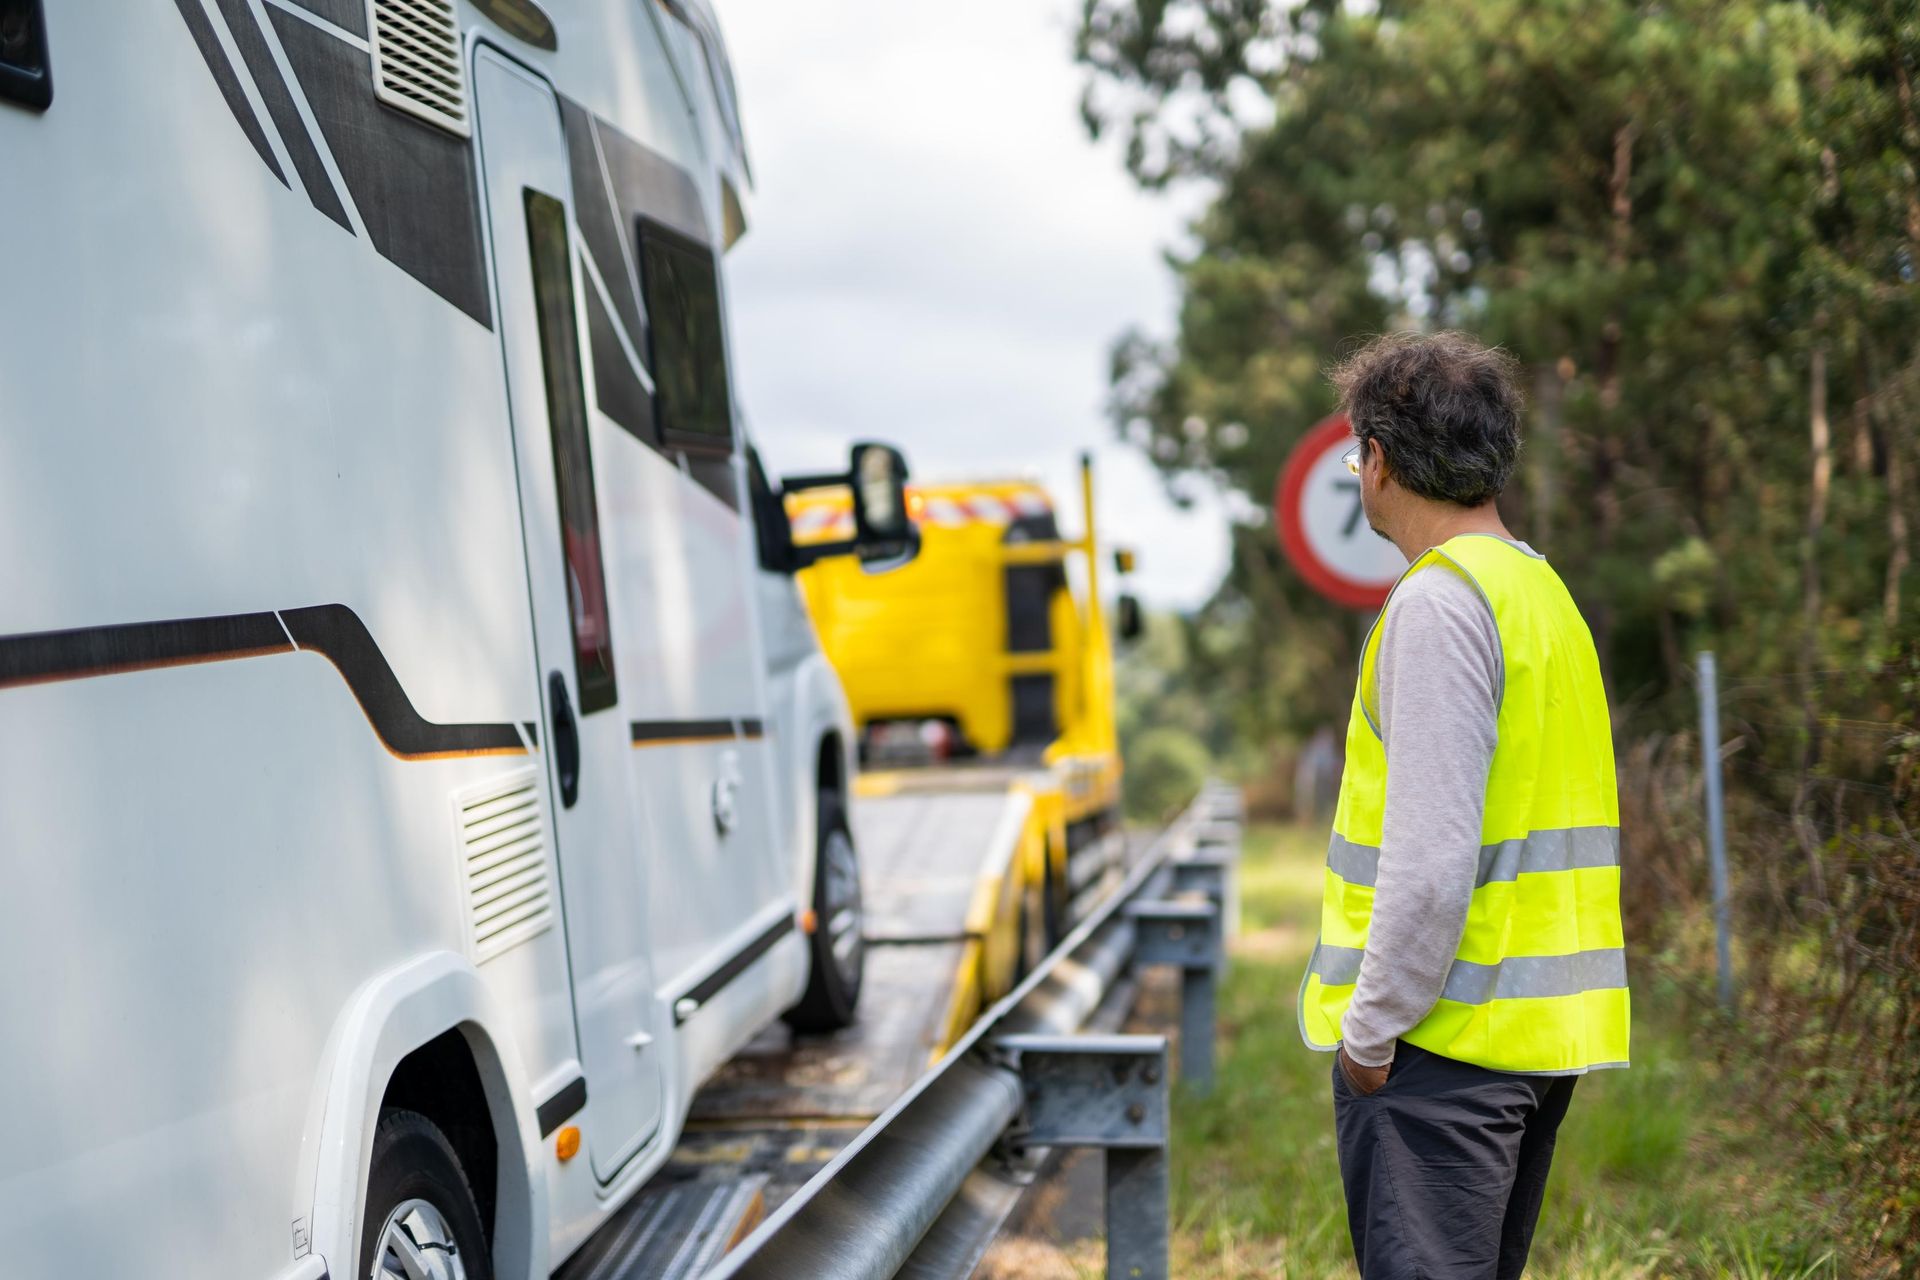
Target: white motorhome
(416,769)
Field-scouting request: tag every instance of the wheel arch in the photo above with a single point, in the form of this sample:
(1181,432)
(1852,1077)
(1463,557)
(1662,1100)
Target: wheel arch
(823,759)
(830,766)
(430,1014)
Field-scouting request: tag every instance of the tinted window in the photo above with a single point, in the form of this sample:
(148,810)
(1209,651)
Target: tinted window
(682,287)
(572,458)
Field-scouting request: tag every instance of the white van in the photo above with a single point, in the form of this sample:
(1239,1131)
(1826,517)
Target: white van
(416,769)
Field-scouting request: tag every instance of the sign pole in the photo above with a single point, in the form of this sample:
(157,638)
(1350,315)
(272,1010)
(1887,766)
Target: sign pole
(1705,673)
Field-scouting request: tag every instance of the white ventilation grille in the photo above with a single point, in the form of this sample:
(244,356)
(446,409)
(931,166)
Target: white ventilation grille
(416,61)
(503,844)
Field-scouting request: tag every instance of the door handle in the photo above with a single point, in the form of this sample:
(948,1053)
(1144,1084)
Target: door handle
(566,740)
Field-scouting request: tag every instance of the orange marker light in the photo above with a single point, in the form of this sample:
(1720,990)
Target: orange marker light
(567,1145)
(808,922)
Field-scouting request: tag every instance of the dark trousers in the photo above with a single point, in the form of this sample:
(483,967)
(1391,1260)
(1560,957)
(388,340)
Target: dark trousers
(1445,1166)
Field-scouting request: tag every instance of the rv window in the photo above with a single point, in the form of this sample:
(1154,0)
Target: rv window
(682,288)
(572,458)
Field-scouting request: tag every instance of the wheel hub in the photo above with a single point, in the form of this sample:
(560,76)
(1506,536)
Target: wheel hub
(417,1244)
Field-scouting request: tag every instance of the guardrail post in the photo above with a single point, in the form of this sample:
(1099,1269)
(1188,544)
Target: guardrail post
(1186,934)
(1209,873)
(1219,841)
(1222,802)
(1108,1092)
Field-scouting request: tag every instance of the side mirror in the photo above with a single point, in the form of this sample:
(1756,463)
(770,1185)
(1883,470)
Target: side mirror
(879,482)
(884,534)
(1129,621)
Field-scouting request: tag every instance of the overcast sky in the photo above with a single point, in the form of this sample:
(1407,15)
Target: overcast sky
(937,256)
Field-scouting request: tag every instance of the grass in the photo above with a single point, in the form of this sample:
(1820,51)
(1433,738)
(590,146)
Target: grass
(1670,1168)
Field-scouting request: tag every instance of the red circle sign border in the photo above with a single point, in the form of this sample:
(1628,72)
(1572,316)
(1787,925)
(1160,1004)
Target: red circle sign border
(1293,538)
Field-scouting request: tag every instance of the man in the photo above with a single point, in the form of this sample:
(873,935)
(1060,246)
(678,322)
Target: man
(1469,967)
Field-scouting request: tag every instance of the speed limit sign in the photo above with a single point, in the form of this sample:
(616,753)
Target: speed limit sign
(1316,507)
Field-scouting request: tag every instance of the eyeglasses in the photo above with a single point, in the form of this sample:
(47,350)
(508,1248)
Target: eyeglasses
(1352,458)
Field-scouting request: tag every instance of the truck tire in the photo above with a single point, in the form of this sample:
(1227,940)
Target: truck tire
(419,1203)
(1056,903)
(836,949)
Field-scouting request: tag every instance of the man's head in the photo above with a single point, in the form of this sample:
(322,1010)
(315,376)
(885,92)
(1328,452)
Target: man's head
(1437,416)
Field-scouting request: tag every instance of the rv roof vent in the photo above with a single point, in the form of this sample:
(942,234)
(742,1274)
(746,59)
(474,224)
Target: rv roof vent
(504,847)
(416,61)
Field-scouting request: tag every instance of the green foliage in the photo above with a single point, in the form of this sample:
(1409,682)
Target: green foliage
(1165,767)
(1691,221)
(1675,1168)
(1685,577)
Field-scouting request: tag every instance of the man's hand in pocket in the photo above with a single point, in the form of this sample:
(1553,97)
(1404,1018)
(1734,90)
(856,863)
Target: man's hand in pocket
(1363,1080)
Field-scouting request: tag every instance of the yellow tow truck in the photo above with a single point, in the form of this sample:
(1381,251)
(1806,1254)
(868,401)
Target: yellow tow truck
(980,678)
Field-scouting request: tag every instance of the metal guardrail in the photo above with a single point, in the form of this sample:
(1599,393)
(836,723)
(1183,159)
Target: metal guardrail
(924,1188)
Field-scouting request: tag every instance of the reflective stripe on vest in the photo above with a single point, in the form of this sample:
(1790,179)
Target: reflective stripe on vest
(1539,980)
(1534,852)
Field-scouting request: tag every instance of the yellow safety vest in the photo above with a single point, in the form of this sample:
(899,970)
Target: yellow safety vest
(1539,983)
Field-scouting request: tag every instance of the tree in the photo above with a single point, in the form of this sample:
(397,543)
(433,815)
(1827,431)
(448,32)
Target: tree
(1691,220)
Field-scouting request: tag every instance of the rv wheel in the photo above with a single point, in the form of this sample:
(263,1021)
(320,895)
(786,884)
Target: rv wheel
(836,947)
(421,1222)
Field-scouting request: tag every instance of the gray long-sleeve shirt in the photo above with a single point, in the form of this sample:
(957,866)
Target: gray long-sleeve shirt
(1440,675)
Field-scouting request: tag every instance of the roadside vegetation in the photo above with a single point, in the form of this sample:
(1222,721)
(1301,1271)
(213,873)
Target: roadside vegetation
(1679,1167)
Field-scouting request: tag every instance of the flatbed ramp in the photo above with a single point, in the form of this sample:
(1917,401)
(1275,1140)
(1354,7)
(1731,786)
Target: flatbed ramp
(932,846)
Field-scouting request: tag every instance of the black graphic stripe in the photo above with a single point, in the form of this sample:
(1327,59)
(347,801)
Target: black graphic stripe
(336,633)
(229,83)
(617,389)
(654,733)
(348,15)
(46,656)
(712,469)
(646,184)
(595,210)
(711,985)
(562,1106)
(252,43)
(413,183)
(753,727)
(333,631)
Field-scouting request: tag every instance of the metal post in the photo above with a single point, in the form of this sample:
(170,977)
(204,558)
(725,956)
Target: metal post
(1108,1092)
(1138,1193)
(1716,818)
(1186,934)
(1209,872)
(1196,1026)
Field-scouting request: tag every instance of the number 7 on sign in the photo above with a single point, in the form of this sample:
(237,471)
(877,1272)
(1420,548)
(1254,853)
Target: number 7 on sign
(1353,516)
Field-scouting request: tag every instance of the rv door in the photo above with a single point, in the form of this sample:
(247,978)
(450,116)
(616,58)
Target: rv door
(583,739)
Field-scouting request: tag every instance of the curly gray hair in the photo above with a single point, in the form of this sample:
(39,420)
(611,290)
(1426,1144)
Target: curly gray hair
(1445,409)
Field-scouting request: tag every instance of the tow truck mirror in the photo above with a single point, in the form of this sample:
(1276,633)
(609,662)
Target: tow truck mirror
(1129,620)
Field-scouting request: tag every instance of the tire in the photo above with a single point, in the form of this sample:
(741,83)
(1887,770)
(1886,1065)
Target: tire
(418,1199)
(1055,903)
(837,953)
